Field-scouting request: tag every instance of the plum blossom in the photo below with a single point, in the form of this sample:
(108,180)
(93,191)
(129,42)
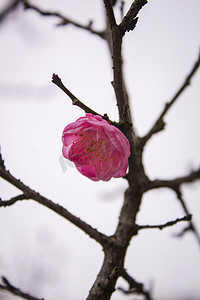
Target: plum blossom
(98,149)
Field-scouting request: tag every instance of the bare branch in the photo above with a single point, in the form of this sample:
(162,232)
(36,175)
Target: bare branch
(174,184)
(75,101)
(129,21)
(16,291)
(168,224)
(115,42)
(2,165)
(134,286)
(13,200)
(159,124)
(11,7)
(122,9)
(64,20)
(191,225)
(28,193)
(110,13)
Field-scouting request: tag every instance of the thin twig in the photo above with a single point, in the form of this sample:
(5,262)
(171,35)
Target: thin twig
(168,224)
(134,286)
(122,9)
(191,225)
(60,210)
(159,124)
(16,291)
(11,7)
(13,200)
(64,20)
(75,101)
(175,183)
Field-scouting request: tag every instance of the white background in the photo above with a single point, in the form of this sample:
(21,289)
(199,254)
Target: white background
(40,251)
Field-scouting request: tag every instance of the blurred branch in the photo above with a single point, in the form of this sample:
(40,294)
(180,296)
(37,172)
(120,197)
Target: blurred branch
(159,124)
(168,224)
(15,291)
(64,20)
(11,7)
(134,286)
(191,226)
(122,8)
(110,13)
(28,193)
(129,21)
(174,184)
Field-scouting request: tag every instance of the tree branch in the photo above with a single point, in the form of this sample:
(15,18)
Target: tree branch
(110,13)
(129,21)
(159,124)
(28,193)
(174,184)
(191,225)
(75,101)
(11,7)
(134,286)
(2,165)
(115,42)
(13,200)
(15,291)
(64,20)
(168,224)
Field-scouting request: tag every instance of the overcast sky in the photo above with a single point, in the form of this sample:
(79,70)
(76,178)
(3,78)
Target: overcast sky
(40,251)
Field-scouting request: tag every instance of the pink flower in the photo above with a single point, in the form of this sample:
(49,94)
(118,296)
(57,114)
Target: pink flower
(98,149)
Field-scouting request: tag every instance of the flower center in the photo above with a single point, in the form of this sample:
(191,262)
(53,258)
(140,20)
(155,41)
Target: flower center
(86,151)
